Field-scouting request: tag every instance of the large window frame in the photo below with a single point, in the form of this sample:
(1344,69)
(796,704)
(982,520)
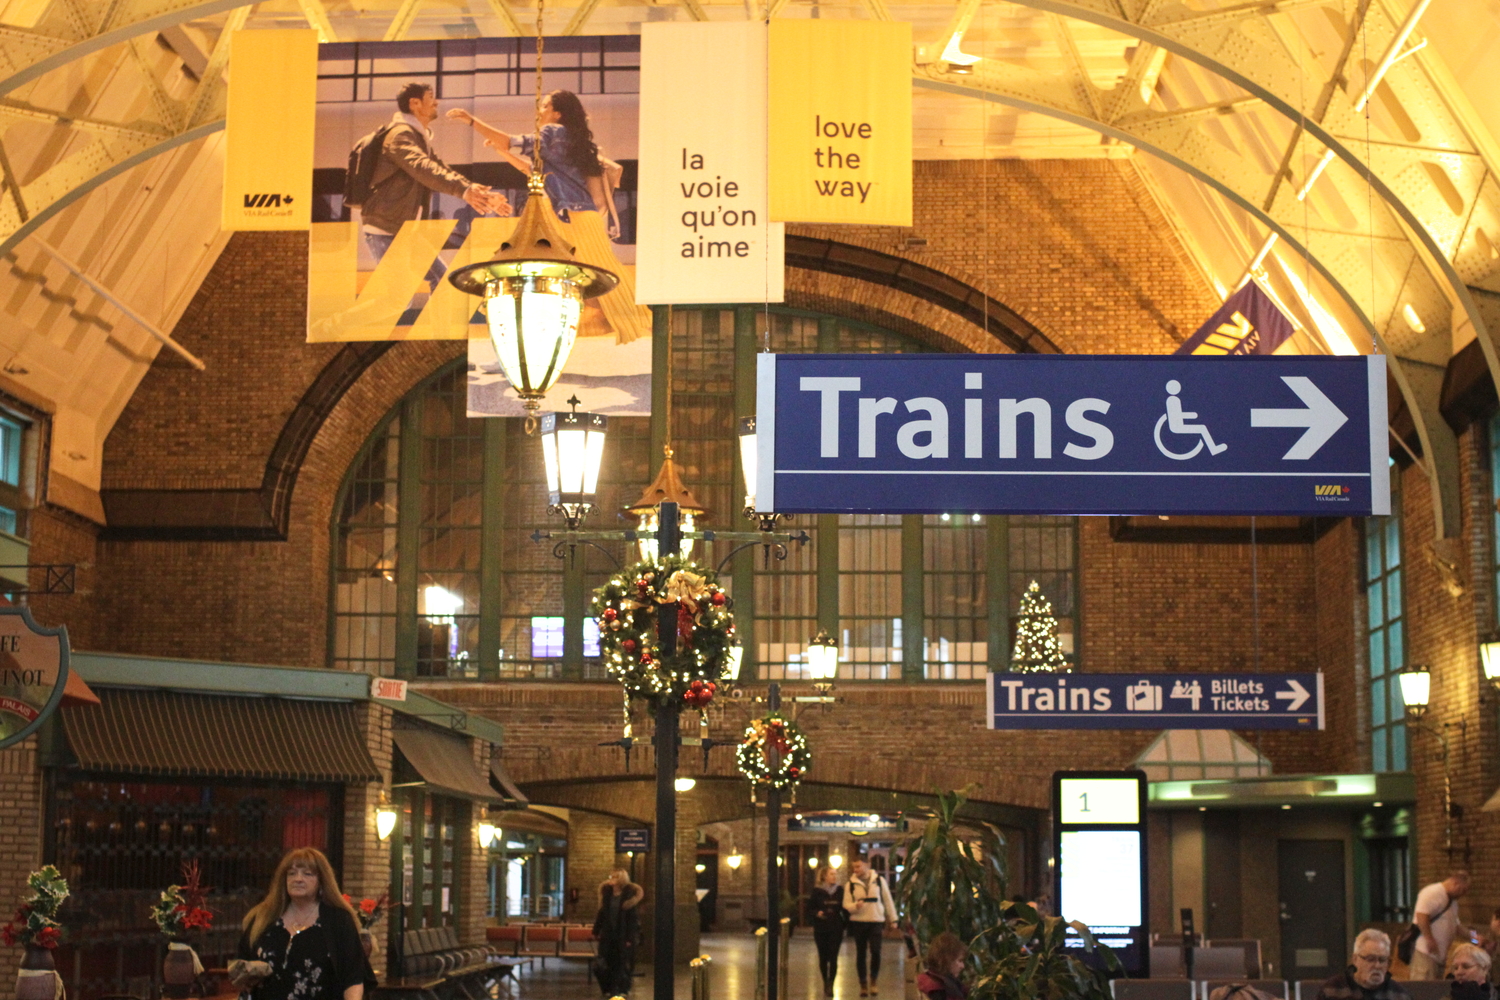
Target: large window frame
(906,597)
(1385,630)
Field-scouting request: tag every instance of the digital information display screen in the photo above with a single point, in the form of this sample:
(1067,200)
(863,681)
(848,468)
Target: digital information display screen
(1099,842)
(1099,800)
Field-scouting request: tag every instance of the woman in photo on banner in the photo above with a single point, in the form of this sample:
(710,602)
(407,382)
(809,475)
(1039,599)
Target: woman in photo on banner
(578,177)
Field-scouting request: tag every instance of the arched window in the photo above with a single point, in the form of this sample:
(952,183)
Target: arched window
(435,572)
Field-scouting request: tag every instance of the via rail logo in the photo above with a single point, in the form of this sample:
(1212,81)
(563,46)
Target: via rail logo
(1330,493)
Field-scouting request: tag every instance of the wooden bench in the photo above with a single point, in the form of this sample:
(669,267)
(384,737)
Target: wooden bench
(434,966)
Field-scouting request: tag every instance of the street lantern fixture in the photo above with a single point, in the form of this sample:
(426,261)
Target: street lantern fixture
(666,487)
(572,450)
(733,661)
(1416,689)
(487,833)
(823,658)
(749,464)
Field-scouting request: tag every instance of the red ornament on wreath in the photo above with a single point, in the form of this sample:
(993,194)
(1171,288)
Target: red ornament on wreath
(609,614)
(717,600)
(628,645)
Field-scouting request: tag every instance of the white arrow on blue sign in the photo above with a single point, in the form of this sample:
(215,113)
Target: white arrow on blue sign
(1155,701)
(1072,434)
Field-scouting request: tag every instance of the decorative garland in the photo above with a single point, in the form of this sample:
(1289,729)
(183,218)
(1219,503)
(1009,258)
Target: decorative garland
(626,610)
(775,734)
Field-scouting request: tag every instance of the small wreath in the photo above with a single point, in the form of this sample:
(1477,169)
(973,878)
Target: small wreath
(774,738)
(626,610)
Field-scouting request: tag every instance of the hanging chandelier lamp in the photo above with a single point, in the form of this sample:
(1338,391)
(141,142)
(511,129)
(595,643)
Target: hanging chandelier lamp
(535,286)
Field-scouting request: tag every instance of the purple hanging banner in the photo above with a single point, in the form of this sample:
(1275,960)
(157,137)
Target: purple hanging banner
(1247,323)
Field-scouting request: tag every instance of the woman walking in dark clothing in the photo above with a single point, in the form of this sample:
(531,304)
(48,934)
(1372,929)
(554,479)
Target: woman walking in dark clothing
(617,928)
(306,935)
(825,906)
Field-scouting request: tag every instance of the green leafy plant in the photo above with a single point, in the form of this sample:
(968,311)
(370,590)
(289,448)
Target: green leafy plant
(1023,957)
(948,883)
(35,922)
(958,884)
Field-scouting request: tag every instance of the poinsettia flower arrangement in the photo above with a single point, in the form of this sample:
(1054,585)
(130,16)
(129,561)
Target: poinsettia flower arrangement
(35,922)
(180,908)
(369,910)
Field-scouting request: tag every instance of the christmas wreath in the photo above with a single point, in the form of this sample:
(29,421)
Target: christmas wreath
(626,609)
(778,738)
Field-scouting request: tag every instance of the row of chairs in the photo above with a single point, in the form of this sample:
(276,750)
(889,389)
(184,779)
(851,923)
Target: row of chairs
(1301,989)
(543,941)
(1217,959)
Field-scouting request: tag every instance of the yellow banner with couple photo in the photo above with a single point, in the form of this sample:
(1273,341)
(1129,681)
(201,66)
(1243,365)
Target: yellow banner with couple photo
(394,301)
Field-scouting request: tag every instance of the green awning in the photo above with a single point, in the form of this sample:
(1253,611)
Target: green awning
(218,736)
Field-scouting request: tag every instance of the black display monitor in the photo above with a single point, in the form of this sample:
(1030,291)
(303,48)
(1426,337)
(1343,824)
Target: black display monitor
(1100,873)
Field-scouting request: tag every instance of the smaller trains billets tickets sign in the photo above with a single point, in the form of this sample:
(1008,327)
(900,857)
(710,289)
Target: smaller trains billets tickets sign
(1155,701)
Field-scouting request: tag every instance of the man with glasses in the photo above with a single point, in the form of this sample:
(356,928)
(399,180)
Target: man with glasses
(1369,977)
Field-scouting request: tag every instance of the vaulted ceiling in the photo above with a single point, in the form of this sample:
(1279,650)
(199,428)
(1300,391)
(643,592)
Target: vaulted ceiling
(1342,150)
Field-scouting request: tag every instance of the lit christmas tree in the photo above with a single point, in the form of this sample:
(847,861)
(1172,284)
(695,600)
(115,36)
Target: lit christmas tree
(1036,648)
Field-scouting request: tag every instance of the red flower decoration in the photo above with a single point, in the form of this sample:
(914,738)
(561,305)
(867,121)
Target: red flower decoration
(367,905)
(47,937)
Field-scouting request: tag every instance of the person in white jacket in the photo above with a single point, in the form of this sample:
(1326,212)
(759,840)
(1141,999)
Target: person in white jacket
(868,900)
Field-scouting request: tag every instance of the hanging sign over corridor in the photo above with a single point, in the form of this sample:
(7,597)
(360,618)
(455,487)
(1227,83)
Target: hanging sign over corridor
(703,225)
(33,673)
(841,121)
(1154,701)
(1072,434)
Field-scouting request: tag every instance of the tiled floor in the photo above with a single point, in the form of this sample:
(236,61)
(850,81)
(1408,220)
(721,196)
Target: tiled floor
(732,975)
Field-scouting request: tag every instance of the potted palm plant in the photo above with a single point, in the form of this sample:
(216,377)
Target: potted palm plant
(957,883)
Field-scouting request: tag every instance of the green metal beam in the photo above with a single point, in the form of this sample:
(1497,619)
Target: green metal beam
(491,549)
(408,534)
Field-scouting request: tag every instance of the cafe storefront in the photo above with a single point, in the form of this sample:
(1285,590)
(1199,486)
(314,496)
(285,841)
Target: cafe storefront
(231,766)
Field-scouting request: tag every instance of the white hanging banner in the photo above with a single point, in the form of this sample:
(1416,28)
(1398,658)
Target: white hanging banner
(703,233)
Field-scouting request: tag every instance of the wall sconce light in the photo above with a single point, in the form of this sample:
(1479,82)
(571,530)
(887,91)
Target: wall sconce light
(1489,656)
(1416,689)
(684,784)
(700,868)
(835,861)
(733,661)
(734,861)
(487,834)
(385,817)
(812,861)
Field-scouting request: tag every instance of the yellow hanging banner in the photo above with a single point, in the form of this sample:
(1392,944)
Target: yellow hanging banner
(268,132)
(840,122)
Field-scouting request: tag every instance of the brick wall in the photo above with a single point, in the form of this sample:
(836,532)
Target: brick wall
(20,834)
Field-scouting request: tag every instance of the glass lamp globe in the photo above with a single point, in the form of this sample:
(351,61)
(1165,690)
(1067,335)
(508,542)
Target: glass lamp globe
(822,657)
(1416,689)
(533,292)
(572,451)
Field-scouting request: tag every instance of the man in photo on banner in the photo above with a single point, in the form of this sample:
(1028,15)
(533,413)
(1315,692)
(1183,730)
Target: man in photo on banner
(408,172)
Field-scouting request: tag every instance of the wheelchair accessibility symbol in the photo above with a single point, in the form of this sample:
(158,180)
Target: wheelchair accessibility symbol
(1176,420)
